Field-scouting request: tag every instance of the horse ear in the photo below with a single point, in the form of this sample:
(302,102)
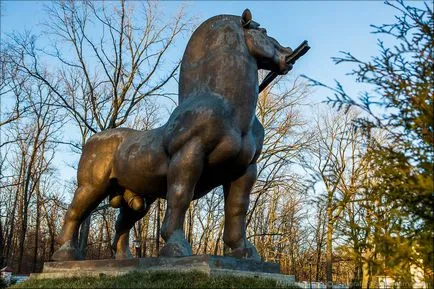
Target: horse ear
(246,18)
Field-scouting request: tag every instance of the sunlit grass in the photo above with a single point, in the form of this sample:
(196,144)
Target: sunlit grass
(154,280)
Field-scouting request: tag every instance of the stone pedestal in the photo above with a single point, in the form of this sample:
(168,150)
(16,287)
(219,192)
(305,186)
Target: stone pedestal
(211,265)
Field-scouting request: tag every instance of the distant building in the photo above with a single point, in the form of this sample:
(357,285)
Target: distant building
(6,274)
(386,282)
(417,275)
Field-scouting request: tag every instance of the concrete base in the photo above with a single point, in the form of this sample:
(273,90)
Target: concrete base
(210,265)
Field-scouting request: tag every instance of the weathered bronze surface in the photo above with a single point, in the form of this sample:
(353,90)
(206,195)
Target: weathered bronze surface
(217,262)
(212,138)
(212,266)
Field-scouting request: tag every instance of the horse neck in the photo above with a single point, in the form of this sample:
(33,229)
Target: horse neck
(217,62)
(230,76)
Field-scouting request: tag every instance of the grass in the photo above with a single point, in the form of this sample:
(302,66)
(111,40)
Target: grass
(153,280)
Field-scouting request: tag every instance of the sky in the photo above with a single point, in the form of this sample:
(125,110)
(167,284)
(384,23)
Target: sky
(328,26)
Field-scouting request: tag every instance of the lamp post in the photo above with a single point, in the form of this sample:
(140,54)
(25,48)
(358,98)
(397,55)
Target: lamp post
(137,247)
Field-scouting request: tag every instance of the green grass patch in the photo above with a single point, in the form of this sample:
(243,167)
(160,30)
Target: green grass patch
(153,280)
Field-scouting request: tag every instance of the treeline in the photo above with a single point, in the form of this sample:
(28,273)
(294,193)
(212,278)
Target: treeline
(342,195)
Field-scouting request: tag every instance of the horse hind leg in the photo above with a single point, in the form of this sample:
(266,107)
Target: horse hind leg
(86,198)
(127,217)
(236,204)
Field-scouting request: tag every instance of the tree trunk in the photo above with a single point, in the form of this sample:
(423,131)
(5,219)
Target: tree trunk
(145,234)
(100,239)
(356,283)
(220,233)
(205,242)
(318,265)
(292,258)
(27,191)
(84,234)
(190,224)
(158,233)
(38,221)
(319,242)
(11,230)
(52,243)
(207,232)
(10,242)
(329,252)
(22,237)
(51,231)
(2,244)
(108,226)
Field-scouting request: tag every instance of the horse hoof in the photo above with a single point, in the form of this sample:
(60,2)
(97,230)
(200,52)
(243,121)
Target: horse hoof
(176,246)
(67,252)
(175,250)
(248,251)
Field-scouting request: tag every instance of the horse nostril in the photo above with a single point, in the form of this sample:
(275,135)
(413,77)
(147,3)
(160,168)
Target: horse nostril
(264,30)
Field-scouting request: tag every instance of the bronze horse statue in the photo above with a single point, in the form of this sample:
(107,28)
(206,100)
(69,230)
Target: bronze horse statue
(212,138)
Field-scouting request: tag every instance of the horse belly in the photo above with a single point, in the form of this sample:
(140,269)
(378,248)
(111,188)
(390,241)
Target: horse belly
(142,170)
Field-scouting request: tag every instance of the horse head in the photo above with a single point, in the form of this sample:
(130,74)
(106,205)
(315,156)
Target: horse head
(269,54)
(224,54)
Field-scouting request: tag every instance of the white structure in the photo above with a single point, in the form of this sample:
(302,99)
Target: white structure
(6,274)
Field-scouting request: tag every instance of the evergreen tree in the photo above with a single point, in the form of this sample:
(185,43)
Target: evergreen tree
(401,104)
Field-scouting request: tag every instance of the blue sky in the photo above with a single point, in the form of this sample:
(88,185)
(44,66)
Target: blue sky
(329,26)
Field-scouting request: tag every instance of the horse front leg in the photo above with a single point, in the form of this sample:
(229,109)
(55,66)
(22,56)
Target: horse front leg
(237,195)
(184,171)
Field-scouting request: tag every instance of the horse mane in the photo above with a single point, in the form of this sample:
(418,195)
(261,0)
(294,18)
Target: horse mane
(216,35)
(218,38)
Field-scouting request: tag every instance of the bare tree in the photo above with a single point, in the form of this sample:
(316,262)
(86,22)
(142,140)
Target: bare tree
(209,216)
(101,78)
(337,161)
(284,139)
(11,85)
(31,155)
(319,236)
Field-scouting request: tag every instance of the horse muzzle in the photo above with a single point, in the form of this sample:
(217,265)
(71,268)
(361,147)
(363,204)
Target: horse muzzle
(284,65)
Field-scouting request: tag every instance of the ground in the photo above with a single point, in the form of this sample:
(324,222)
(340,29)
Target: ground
(153,280)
